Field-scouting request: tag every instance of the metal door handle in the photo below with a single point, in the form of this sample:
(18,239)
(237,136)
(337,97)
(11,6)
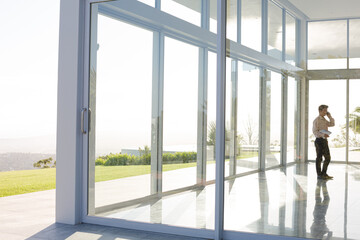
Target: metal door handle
(89,120)
(83,111)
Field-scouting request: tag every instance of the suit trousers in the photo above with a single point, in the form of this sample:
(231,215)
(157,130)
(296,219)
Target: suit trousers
(322,149)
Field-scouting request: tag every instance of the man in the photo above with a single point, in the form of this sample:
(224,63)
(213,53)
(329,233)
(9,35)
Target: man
(322,149)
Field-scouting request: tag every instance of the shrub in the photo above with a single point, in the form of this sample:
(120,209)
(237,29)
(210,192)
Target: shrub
(44,163)
(119,159)
(100,161)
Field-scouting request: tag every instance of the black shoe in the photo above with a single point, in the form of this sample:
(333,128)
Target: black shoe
(328,177)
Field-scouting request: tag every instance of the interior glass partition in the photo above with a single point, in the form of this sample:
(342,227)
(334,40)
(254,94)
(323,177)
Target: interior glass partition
(335,98)
(327,45)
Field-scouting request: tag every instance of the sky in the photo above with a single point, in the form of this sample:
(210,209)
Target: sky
(28,60)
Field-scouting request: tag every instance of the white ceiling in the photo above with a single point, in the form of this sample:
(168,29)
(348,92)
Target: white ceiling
(328,9)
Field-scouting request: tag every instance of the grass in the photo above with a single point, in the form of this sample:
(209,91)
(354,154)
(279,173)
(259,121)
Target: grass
(105,173)
(26,181)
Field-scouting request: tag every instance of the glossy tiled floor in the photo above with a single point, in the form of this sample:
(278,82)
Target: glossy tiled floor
(289,202)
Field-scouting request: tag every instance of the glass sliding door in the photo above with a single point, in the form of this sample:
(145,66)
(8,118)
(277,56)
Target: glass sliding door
(120,103)
(354,121)
(333,94)
(211,117)
(180,114)
(242,118)
(273,119)
(148,103)
(291,123)
(247,150)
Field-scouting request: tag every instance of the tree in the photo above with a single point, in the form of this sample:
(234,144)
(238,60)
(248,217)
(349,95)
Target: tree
(354,125)
(354,120)
(251,132)
(212,134)
(44,163)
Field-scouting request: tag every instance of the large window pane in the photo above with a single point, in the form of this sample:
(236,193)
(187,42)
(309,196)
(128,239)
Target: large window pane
(273,119)
(213,16)
(231,18)
(333,94)
(211,117)
(290,39)
(327,45)
(275,31)
(189,11)
(251,24)
(148,2)
(247,118)
(180,113)
(354,121)
(121,115)
(291,124)
(229,117)
(354,44)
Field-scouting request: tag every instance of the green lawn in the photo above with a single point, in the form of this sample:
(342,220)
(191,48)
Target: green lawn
(26,181)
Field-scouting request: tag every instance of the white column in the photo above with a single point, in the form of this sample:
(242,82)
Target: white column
(69,135)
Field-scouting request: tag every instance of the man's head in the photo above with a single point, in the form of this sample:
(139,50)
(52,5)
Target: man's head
(323,110)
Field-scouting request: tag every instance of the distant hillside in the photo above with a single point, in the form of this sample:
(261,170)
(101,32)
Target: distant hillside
(21,161)
(41,144)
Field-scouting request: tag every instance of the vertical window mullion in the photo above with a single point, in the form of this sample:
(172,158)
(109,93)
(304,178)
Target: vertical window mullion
(284,114)
(283,35)
(202,99)
(220,118)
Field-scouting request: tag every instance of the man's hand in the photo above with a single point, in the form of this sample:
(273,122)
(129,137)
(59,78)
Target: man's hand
(328,114)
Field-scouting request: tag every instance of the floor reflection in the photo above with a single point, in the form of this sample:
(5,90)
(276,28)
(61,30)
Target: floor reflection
(322,200)
(285,201)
